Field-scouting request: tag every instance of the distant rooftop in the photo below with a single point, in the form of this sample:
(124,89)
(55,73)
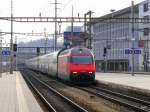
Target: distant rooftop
(121,12)
(117,14)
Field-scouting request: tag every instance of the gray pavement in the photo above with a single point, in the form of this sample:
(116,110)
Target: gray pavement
(138,80)
(15,96)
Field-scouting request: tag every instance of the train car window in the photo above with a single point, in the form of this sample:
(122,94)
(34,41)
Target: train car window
(80,51)
(81,59)
(50,55)
(64,52)
(54,60)
(68,59)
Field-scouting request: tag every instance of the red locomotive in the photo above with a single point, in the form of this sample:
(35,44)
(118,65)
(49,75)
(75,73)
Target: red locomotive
(74,64)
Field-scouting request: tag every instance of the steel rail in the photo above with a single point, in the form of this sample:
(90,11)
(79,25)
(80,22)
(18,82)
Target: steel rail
(123,96)
(48,105)
(110,98)
(73,104)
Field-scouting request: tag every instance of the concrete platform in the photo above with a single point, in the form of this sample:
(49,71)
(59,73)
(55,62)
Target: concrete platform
(15,96)
(138,80)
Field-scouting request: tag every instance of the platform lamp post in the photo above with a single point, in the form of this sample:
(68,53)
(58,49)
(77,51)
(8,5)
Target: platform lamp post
(105,58)
(45,34)
(15,52)
(132,41)
(112,15)
(0,54)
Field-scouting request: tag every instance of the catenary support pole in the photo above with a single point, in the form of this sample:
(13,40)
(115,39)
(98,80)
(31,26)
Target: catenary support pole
(133,38)
(11,40)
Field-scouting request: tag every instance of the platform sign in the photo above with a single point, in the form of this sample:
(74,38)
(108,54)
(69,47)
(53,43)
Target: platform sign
(135,51)
(6,53)
(138,51)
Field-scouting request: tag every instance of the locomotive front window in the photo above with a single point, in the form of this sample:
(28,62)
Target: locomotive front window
(81,60)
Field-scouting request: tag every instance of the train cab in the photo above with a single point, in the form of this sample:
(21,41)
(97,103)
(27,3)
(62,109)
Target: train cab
(77,65)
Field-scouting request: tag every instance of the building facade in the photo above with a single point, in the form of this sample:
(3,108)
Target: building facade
(73,38)
(113,35)
(144,29)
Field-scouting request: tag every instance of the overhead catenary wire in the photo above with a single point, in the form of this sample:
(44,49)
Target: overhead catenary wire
(69,1)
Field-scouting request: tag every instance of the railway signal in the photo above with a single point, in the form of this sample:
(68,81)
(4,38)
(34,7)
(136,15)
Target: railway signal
(15,47)
(38,51)
(105,51)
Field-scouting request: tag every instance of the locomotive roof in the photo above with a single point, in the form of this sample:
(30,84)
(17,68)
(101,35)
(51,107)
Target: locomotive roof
(76,50)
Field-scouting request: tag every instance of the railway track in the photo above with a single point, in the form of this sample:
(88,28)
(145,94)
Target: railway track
(132,103)
(54,100)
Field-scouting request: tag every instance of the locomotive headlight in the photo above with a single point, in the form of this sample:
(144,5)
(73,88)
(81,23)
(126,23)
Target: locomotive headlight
(90,72)
(74,72)
(80,51)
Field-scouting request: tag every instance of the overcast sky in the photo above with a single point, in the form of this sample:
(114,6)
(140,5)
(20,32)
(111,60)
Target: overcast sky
(46,8)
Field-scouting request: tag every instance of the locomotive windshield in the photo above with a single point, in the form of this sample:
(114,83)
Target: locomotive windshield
(81,59)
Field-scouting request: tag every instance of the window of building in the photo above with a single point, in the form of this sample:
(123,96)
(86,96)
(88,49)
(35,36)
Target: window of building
(146,31)
(146,19)
(145,7)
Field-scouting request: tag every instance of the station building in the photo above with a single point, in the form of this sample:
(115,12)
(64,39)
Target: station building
(144,34)
(112,37)
(74,39)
